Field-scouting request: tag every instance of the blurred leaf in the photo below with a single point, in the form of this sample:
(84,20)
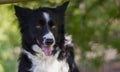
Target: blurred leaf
(115,43)
(1,68)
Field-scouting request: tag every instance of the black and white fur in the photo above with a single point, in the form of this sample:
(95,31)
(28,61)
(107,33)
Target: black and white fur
(45,48)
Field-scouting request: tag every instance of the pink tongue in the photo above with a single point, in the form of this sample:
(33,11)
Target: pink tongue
(46,50)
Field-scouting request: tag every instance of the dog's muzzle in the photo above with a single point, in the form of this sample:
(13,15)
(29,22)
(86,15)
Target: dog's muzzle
(48,39)
(47,44)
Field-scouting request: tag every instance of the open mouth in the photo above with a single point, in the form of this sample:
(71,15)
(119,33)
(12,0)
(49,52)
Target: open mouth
(47,49)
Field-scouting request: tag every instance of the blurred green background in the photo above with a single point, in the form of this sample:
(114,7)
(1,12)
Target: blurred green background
(93,24)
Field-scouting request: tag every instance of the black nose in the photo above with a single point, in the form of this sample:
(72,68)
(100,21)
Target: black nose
(49,41)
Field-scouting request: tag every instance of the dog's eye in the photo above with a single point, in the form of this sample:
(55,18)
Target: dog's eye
(37,26)
(52,24)
(53,27)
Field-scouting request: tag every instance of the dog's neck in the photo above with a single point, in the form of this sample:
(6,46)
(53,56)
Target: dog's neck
(42,63)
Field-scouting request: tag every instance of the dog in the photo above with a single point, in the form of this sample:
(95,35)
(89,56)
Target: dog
(45,47)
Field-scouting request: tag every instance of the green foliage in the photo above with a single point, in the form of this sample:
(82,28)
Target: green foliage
(87,20)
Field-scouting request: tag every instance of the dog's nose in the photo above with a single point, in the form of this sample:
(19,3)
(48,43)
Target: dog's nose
(49,41)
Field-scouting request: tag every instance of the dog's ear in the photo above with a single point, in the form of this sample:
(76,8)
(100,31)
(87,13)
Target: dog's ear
(62,8)
(22,15)
(21,12)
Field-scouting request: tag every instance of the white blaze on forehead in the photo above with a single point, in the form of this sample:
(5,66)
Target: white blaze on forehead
(46,16)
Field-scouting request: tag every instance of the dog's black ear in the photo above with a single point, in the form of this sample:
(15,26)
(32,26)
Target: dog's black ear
(21,12)
(22,15)
(62,8)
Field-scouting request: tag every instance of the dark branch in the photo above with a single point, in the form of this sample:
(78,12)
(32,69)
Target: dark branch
(12,1)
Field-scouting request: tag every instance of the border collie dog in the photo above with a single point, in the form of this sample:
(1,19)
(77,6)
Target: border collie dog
(45,47)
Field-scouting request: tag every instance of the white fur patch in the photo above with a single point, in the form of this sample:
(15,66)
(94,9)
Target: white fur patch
(68,40)
(37,49)
(42,63)
(46,16)
(49,35)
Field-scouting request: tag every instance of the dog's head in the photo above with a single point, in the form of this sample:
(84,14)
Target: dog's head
(43,26)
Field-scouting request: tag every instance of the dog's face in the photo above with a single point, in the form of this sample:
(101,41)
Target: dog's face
(41,26)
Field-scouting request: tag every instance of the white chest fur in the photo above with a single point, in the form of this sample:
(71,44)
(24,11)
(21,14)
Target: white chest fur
(41,63)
